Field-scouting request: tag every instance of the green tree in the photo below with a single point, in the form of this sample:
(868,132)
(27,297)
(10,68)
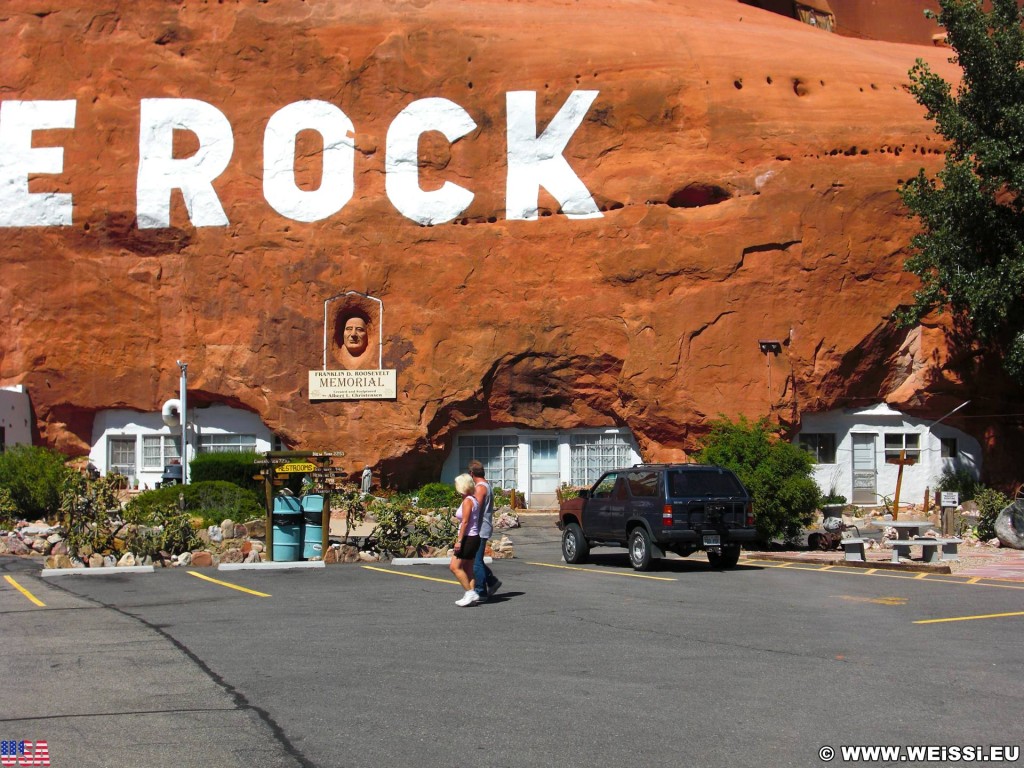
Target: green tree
(970,252)
(776,472)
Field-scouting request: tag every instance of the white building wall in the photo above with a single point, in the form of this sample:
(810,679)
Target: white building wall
(215,419)
(15,417)
(524,437)
(879,421)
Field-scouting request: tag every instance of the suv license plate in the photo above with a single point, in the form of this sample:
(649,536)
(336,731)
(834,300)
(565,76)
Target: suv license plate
(712,541)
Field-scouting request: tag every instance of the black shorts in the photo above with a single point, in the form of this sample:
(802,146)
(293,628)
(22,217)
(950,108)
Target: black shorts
(469,548)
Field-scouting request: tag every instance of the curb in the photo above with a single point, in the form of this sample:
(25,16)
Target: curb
(884,565)
(271,565)
(428,560)
(97,571)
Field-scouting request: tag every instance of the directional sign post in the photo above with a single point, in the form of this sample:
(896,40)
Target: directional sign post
(275,467)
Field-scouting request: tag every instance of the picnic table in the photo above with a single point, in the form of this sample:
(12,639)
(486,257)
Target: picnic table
(933,549)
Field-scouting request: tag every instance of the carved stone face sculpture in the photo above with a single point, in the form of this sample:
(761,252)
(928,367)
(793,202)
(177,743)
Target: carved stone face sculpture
(355,336)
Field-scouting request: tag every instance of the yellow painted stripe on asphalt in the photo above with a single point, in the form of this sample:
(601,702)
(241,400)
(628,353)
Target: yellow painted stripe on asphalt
(410,575)
(25,592)
(970,618)
(605,573)
(226,584)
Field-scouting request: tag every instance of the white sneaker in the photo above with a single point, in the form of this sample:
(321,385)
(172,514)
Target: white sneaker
(468,599)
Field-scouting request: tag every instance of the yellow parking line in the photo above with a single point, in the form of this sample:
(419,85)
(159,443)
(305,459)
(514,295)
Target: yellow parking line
(970,618)
(606,573)
(225,584)
(25,592)
(410,575)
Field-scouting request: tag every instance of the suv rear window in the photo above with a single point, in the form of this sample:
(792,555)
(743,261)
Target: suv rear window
(643,484)
(704,482)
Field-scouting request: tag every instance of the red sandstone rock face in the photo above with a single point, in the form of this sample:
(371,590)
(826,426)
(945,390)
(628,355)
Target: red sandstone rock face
(746,167)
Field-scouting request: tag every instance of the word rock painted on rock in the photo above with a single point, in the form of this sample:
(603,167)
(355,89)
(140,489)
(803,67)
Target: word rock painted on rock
(534,161)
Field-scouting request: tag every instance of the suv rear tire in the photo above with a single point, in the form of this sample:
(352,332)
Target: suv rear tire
(728,559)
(640,548)
(575,548)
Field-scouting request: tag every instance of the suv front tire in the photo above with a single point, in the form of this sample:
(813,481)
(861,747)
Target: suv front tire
(574,545)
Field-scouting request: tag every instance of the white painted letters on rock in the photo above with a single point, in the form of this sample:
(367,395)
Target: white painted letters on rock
(18,159)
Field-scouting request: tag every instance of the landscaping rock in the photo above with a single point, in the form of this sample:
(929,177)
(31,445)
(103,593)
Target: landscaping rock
(127,560)
(95,560)
(232,555)
(202,559)
(58,561)
(15,546)
(1009,526)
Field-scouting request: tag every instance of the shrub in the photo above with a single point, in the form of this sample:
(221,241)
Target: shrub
(237,468)
(34,478)
(990,503)
(8,509)
(777,473)
(963,481)
(213,501)
(437,495)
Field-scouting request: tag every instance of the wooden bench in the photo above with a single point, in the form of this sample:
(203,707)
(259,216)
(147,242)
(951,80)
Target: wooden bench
(930,548)
(853,550)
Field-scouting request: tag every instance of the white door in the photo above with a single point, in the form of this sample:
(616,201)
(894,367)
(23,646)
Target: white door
(864,470)
(543,473)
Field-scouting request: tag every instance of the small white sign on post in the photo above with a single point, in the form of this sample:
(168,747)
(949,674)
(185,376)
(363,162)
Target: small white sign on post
(353,385)
(949,499)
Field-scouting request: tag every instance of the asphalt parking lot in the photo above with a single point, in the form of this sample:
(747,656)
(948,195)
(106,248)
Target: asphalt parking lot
(569,666)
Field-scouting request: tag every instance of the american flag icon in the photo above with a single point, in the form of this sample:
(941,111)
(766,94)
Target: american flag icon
(24,754)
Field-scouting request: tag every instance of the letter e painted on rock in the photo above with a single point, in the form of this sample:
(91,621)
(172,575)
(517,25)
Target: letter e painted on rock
(535,161)
(160,172)
(18,159)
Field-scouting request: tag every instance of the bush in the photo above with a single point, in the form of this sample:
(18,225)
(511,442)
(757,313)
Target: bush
(963,481)
(237,468)
(777,473)
(437,495)
(213,501)
(8,509)
(34,478)
(990,503)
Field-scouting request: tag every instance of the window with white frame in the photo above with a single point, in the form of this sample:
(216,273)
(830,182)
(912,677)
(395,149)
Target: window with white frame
(596,453)
(224,443)
(121,455)
(159,450)
(909,442)
(821,445)
(498,453)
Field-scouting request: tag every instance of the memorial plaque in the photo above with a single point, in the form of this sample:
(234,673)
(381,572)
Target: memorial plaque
(353,385)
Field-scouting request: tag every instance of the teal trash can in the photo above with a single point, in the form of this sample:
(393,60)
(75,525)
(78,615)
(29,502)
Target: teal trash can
(313,542)
(312,512)
(287,538)
(287,522)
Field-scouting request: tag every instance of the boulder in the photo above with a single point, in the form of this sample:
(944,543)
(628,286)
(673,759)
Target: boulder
(58,561)
(1009,526)
(742,167)
(202,559)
